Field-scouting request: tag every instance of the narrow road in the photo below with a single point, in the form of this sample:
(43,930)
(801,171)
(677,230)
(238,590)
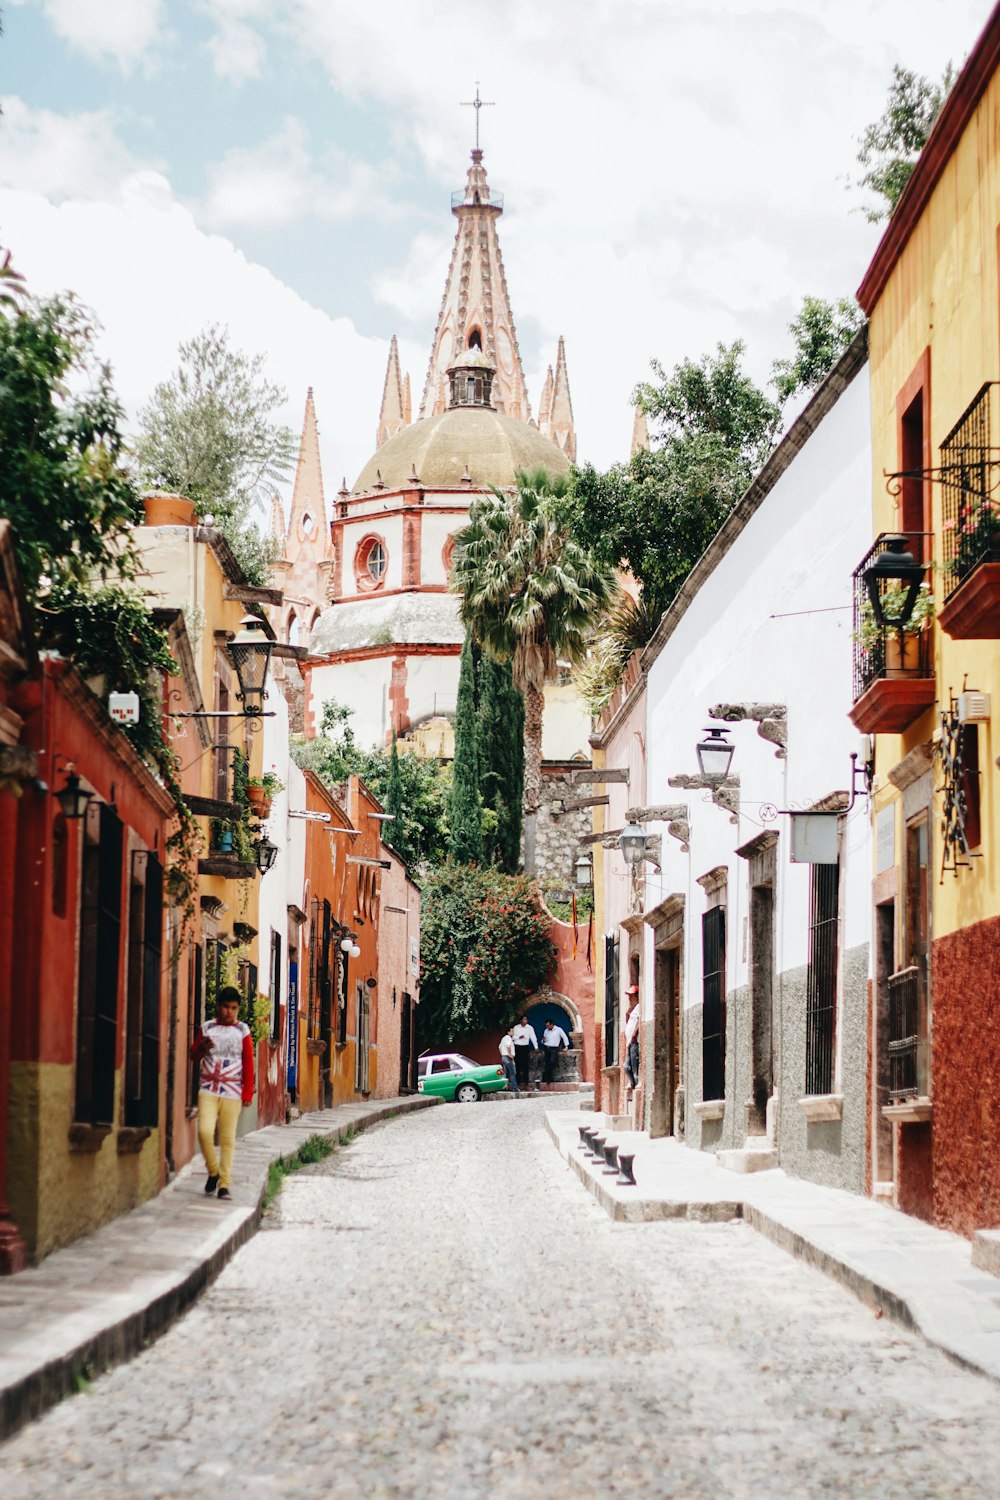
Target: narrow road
(441,1310)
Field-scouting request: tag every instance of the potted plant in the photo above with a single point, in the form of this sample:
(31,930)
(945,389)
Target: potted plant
(161,509)
(902,641)
(260,790)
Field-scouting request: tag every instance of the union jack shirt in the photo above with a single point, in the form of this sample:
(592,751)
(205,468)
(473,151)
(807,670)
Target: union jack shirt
(227,1067)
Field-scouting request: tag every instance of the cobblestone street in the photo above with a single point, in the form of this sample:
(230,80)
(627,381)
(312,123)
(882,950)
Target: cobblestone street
(441,1309)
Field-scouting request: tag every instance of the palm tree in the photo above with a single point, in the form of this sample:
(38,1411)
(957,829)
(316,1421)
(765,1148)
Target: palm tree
(530,595)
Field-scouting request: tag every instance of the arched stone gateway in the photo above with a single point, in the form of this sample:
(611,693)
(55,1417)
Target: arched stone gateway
(546,1002)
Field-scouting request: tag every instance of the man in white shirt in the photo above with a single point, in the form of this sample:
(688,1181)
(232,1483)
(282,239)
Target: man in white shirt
(507,1058)
(553,1041)
(632,1036)
(525,1042)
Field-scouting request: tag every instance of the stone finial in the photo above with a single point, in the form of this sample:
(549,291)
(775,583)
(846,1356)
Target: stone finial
(725,793)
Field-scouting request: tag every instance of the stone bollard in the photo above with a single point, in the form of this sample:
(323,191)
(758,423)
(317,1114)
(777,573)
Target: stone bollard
(611,1159)
(583,1129)
(626,1176)
(597,1146)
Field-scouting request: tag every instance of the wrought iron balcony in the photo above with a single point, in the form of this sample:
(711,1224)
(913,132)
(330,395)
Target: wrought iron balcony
(893,668)
(904,1034)
(970,527)
(461,199)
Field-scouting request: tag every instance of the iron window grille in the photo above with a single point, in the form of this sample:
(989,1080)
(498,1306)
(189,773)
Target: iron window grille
(611,955)
(970,524)
(97,990)
(821,978)
(880,651)
(958,754)
(713,1035)
(904,1034)
(145,950)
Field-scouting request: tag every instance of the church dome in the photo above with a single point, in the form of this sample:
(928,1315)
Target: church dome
(466,442)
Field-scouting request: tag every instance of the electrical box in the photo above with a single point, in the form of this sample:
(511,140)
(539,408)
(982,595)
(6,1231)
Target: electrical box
(973,708)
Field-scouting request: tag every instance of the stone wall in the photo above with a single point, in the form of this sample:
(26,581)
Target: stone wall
(558,833)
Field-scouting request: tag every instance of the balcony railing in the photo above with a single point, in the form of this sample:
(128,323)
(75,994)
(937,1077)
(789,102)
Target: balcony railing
(970,513)
(461,199)
(880,651)
(904,1034)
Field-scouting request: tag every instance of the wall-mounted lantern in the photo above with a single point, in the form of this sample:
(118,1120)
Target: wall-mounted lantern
(715,754)
(250,653)
(632,842)
(583,872)
(72,798)
(896,565)
(265,854)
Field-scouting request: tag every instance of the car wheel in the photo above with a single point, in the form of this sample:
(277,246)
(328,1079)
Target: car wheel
(467,1093)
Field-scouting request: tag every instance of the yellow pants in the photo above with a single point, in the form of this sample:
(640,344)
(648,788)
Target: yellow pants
(212,1108)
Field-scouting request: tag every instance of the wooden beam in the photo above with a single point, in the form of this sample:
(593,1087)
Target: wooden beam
(579,802)
(211,807)
(228,865)
(607,777)
(294,653)
(595,838)
(245,593)
(359,859)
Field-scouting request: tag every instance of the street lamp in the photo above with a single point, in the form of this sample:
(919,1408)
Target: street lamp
(250,652)
(583,871)
(265,854)
(895,564)
(715,754)
(632,842)
(72,798)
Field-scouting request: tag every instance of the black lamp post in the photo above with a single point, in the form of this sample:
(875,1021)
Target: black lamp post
(896,564)
(72,798)
(632,842)
(250,652)
(265,853)
(715,754)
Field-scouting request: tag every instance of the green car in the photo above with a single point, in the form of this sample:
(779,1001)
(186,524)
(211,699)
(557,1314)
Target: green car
(456,1077)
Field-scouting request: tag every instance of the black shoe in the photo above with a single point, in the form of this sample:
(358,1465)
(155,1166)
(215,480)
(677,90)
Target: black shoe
(212,1183)
(225,1193)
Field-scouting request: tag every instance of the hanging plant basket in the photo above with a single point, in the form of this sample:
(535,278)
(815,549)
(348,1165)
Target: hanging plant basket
(260,800)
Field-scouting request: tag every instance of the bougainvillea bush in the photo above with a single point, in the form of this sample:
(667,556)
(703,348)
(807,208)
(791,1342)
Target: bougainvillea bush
(485,945)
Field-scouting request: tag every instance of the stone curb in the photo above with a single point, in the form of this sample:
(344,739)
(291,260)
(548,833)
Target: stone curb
(116,1336)
(907,1308)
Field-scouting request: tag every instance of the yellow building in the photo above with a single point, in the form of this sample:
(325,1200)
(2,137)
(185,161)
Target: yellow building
(928,693)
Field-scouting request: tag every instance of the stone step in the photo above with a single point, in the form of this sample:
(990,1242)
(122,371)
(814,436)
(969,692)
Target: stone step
(986,1250)
(755,1155)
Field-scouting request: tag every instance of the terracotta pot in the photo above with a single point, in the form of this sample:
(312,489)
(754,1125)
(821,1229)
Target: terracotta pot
(168,510)
(902,654)
(259,800)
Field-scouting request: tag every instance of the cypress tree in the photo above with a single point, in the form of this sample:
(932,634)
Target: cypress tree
(501,759)
(465,816)
(392,832)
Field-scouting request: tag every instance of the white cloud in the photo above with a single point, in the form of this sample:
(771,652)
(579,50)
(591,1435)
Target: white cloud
(271,185)
(123,30)
(61,156)
(137,256)
(237,50)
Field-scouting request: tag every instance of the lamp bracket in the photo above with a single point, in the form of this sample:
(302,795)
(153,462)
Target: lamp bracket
(658,813)
(725,792)
(771,720)
(680,829)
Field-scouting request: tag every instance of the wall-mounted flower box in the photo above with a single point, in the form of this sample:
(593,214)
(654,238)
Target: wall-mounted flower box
(972,611)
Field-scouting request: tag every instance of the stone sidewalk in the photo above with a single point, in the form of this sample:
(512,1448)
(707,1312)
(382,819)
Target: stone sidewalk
(918,1275)
(108,1295)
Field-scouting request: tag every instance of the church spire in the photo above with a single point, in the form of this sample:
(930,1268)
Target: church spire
(394,415)
(640,432)
(308,514)
(475,311)
(555,420)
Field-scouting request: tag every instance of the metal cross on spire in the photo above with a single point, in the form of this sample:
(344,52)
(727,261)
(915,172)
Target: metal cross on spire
(477,104)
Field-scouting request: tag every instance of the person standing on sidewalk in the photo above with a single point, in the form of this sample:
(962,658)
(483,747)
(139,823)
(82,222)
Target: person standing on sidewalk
(632,1037)
(508,1060)
(554,1039)
(525,1041)
(224,1051)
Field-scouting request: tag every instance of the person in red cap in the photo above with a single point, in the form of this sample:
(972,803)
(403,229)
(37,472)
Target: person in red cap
(632,1036)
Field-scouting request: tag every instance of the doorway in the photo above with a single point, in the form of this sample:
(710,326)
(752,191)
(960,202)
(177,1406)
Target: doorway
(663,1105)
(761,1006)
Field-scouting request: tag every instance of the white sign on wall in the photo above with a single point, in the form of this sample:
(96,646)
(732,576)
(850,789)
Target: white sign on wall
(124,707)
(885,838)
(414,957)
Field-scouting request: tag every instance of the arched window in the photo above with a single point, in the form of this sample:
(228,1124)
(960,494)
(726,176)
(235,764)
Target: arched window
(293,628)
(370,564)
(475,339)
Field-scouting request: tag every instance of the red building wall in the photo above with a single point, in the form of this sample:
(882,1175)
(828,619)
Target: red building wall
(966,1083)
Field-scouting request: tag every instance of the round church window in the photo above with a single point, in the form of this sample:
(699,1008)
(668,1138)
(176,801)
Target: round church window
(370,563)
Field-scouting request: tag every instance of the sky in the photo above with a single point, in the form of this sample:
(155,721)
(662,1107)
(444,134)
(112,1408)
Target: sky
(675,172)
